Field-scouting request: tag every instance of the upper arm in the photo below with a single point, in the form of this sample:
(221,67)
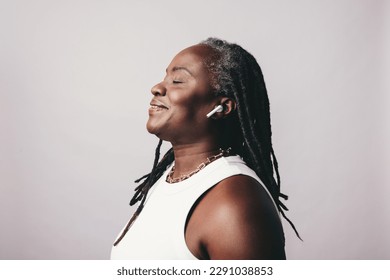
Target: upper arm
(239,221)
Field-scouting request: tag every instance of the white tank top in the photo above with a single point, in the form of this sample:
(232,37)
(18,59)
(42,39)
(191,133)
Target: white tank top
(158,232)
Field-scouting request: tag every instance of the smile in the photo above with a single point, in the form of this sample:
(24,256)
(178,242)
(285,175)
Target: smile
(158,107)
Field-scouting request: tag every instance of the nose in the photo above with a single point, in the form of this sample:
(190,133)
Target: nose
(158,89)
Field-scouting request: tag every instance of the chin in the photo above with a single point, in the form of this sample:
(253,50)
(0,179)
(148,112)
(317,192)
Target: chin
(153,130)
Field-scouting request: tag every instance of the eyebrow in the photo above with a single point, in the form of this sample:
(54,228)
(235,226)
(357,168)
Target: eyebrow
(178,68)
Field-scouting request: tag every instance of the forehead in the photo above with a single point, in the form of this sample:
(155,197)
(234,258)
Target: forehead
(193,58)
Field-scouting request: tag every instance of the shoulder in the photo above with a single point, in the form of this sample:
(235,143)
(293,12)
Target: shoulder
(240,191)
(239,221)
(240,201)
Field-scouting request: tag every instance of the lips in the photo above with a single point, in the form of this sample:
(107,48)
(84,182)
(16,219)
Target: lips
(155,104)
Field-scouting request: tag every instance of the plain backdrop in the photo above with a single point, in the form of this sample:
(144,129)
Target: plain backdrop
(75,79)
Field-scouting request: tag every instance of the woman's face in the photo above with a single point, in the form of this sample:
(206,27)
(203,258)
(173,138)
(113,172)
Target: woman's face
(181,101)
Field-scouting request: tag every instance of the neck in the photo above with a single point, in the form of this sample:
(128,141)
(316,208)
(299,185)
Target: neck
(189,157)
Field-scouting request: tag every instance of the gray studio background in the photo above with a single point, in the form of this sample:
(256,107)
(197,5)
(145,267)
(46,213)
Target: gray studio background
(75,79)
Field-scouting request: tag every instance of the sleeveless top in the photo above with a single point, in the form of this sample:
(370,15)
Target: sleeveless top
(158,232)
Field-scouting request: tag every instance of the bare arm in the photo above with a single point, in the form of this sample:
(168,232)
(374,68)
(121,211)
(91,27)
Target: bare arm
(236,220)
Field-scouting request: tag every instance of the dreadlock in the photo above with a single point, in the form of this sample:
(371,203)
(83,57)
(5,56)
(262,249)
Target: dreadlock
(236,74)
(239,76)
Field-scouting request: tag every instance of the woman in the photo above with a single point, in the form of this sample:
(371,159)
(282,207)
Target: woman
(213,195)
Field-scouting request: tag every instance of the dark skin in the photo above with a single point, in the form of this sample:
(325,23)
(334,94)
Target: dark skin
(236,219)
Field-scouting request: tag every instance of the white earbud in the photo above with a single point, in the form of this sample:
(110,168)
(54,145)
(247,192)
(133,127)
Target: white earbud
(218,109)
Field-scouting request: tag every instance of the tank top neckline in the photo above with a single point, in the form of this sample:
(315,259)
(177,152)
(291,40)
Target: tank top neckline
(187,183)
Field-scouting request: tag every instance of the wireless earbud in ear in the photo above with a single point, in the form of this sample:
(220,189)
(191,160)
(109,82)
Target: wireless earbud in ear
(217,109)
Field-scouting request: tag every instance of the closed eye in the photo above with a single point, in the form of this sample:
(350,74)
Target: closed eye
(177,82)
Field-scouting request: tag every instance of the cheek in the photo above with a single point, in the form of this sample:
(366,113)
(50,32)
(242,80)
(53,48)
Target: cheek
(191,100)
(183,98)
(191,109)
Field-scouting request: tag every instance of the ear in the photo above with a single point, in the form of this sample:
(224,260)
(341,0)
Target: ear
(229,106)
